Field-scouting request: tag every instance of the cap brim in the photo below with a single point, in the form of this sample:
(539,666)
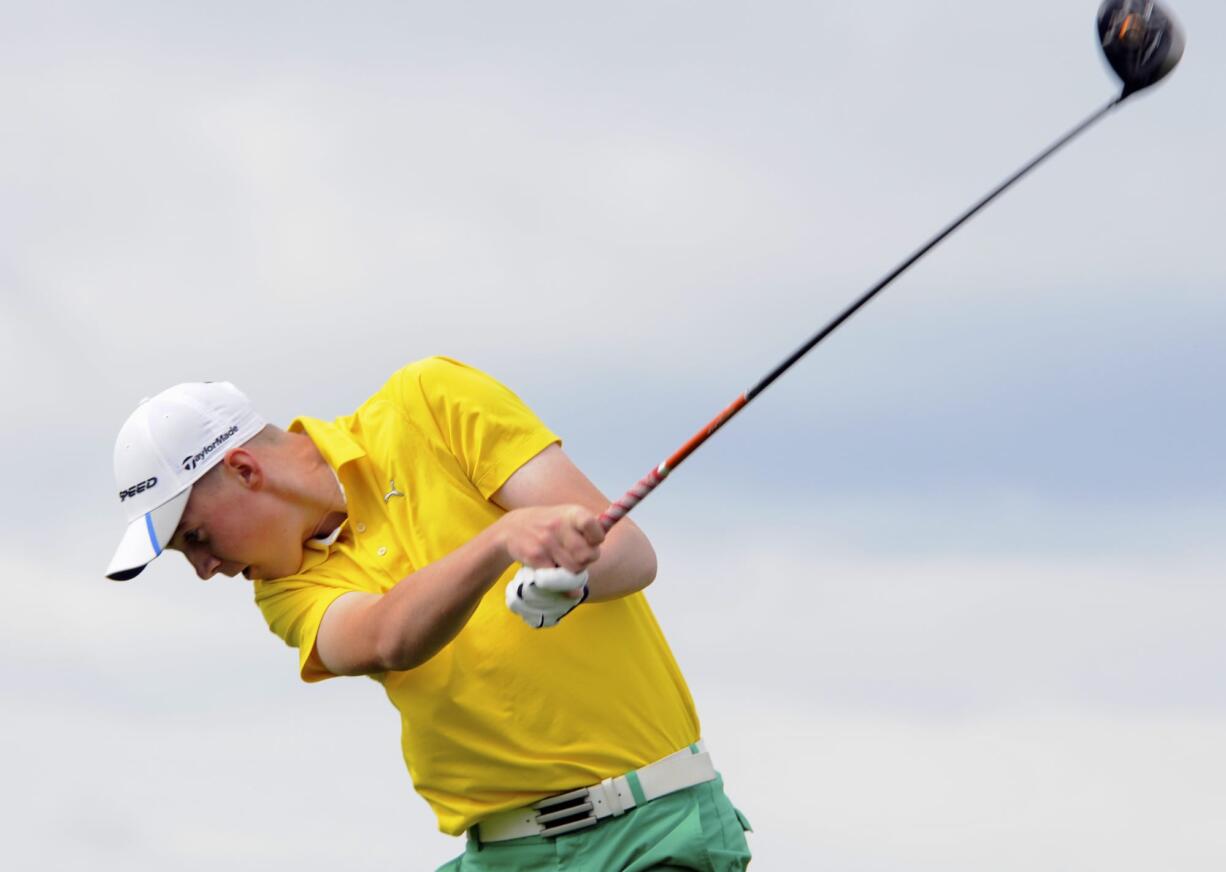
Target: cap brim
(146,538)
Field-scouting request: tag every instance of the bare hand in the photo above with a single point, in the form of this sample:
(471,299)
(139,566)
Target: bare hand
(545,536)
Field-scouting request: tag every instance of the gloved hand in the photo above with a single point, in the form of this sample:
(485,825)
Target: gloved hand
(542,597)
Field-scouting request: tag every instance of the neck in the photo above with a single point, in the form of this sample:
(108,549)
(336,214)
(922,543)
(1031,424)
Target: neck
(323,500)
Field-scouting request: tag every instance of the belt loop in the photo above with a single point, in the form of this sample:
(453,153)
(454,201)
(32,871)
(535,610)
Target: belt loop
(609,791)
(636,789)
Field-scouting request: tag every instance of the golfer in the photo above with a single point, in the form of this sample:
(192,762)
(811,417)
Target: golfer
(440,541)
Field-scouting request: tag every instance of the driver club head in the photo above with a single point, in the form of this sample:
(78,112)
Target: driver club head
(1141,41)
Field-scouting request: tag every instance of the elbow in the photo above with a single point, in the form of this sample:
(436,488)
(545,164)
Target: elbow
(397,658)
(395,653)
(638,560)
(640,570)
(649,566)
(389,654)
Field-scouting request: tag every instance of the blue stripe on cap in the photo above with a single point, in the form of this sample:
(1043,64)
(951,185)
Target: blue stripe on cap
(153,537)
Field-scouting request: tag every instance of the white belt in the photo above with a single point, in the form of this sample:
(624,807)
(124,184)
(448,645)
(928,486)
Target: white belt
(612,797)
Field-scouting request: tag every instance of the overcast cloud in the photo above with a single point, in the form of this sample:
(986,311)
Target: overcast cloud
(949,596)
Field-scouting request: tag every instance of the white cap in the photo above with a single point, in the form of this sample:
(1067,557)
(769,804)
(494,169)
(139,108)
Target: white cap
(165,447)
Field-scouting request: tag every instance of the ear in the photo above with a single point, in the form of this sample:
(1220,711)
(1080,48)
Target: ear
(246,468)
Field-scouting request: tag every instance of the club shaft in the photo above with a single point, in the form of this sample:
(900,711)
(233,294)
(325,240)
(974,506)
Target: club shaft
(652,480)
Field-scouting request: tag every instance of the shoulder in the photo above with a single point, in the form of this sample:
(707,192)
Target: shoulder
(437,365)
(443,384)
(441,372)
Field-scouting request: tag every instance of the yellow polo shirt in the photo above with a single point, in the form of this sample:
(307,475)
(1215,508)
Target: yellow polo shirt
(505,714)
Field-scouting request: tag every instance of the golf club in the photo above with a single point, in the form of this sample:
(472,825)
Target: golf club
(1142,44)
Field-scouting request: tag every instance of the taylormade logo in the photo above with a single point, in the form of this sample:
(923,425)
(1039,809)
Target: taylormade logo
(192,460)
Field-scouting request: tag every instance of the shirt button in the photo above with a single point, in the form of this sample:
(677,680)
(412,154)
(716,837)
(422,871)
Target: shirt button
(382,551)
(361,528)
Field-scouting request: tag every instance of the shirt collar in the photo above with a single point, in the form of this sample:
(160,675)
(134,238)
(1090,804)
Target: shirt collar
(338,449)
(335,444)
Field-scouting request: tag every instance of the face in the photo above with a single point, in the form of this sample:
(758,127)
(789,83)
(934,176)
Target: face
(233,525)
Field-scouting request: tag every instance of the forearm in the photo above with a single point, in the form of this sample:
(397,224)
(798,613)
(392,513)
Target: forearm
(402,629)
(425,611)
(627,564)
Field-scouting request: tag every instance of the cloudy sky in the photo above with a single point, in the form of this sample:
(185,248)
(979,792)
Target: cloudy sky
(950,595)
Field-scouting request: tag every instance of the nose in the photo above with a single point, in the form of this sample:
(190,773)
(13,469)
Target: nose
(204,563)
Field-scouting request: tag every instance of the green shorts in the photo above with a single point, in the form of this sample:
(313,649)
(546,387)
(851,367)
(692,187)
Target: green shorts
(696,828)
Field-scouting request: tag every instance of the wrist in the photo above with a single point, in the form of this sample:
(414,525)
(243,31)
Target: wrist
(499,539)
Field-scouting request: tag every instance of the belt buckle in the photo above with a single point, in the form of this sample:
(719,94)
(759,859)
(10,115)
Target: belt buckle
(566,813)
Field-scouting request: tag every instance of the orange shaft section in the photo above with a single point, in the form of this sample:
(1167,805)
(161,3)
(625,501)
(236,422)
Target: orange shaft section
(652,480)
(705,433)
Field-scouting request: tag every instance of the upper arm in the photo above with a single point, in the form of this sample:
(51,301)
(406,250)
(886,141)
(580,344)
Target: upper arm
(548,479)
(347,642)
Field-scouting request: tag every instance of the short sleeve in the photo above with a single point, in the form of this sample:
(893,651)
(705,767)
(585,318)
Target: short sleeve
(294,608)
(490,430)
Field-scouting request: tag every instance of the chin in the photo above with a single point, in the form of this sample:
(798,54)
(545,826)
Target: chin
(289,566)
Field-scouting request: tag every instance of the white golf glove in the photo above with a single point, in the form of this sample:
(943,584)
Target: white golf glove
(539,596)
